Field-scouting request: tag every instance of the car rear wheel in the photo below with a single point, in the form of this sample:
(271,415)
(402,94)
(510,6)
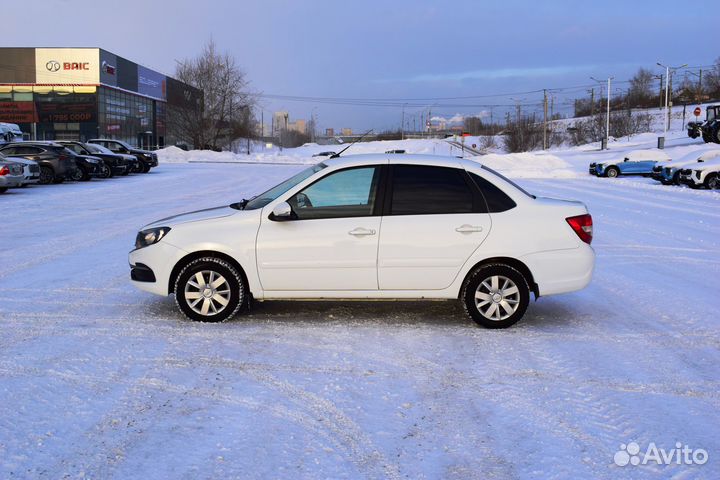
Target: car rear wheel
(209,289)
(47,175)
(676,178)
(145,168)
(3,189)
(612,172)
(496,296)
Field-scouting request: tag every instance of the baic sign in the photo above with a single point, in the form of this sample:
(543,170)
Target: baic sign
(78,66)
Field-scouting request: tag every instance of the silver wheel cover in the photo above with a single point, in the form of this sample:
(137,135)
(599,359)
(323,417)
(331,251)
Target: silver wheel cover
(497,298)
(207,293)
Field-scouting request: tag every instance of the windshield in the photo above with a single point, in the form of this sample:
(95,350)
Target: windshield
(264,198)
(710,113)
(508,180)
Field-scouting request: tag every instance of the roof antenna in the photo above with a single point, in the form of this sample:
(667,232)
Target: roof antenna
(353,143)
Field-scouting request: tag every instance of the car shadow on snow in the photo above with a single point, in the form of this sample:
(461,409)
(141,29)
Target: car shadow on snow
(546,313)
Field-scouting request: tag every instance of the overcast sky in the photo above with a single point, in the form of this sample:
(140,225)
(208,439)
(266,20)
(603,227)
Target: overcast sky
(387,49)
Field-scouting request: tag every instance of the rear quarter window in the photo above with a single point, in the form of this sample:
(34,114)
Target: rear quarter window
(497,200)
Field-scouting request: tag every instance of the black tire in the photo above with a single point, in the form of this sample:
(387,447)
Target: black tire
(145,168)
(3,189)
(235,297)
(716,134)
(47,175)
(106,171)
(676,178)
(138,167)
(612,172)
(712,182)
(476,284)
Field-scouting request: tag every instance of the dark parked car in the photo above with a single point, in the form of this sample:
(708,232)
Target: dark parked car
(113,163)
(56,162)
(324,154)
(147,158)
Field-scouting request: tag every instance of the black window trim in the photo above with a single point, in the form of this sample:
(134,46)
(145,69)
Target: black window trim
(379,192)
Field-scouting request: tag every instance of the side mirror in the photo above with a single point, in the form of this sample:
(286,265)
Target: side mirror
(282,212)
(626,159)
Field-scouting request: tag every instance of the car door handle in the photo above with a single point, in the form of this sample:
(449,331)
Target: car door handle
(468,228)
(359,232)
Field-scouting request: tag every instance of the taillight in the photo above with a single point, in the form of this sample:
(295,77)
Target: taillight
(583,226)
(4,170)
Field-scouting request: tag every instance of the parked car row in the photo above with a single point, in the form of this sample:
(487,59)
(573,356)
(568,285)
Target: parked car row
(696,169)
(57,161)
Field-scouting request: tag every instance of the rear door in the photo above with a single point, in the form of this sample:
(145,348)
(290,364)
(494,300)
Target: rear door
(434,220)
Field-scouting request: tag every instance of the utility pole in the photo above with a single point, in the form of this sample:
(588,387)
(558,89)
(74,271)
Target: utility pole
(669,71)
(698,92)
(545,112)
(402,124)
(607,119)
(592,102)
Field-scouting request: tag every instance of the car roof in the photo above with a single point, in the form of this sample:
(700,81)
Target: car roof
(36,143)
(412,158)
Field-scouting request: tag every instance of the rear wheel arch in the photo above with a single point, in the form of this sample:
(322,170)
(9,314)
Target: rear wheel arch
(510,262)
(200,254)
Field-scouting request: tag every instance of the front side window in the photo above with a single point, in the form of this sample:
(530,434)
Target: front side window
(266,197)
(428,190)
(345,193)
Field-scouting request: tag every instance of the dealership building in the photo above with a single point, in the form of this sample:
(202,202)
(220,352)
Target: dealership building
(84,93)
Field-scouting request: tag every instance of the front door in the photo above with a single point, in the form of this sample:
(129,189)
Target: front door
(332,242)
(435,223)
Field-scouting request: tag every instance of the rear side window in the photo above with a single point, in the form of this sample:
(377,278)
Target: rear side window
(427,190)
(496,199)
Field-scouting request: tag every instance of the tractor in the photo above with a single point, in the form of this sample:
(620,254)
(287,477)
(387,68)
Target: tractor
(709,130)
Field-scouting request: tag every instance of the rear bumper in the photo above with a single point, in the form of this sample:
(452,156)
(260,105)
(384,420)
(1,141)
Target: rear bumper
(11,181)
(561,271)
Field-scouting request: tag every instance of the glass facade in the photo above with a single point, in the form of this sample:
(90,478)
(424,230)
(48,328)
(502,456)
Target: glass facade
(107,113)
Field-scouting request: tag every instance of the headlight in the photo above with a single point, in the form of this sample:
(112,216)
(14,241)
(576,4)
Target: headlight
(147,155)
(151,236)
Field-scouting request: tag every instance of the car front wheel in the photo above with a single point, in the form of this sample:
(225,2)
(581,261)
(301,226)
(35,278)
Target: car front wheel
(496,296)
(209,289)
(712,182)
(612,172)
(47,175)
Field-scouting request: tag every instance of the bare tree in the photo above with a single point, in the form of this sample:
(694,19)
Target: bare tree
(523,135)
(711,82)
(225,111)
(640,93)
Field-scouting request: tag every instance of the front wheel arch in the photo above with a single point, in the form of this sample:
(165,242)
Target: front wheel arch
(200,254)
(510,262)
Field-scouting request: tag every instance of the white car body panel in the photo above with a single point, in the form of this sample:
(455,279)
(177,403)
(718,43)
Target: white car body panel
(414,256)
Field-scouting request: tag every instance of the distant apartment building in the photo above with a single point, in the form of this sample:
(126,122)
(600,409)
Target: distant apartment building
(279,122)
(299,126)
(329,132)
(347,132)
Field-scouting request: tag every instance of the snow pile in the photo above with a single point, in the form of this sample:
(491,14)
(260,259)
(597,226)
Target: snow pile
(528,165)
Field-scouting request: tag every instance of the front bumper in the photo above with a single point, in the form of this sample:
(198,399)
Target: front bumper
(159,260)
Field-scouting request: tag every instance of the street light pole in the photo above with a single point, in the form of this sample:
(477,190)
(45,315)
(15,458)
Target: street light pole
(668,71)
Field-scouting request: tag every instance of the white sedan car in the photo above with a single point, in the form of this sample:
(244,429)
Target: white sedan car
(373,226)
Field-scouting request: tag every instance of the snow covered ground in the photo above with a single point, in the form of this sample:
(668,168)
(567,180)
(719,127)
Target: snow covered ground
(98,380)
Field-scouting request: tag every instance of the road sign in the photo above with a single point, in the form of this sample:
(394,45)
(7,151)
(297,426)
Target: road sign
(697,111)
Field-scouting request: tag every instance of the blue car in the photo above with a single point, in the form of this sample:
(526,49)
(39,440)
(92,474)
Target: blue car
(639,162)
